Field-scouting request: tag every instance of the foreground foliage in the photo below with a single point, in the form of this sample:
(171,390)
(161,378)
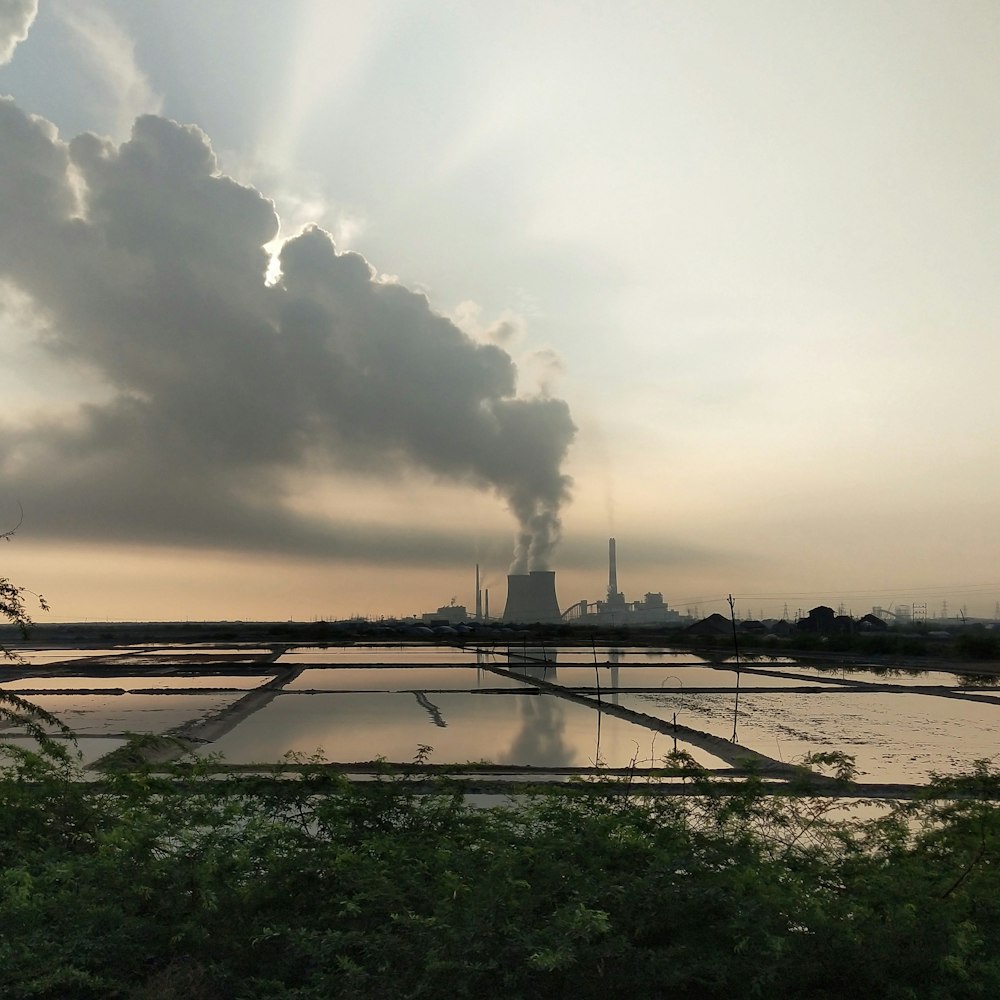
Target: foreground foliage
(311,887)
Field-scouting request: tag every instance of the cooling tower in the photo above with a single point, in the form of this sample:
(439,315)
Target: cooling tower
(531,597)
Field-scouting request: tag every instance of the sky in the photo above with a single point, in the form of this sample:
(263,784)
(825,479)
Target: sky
(308,308)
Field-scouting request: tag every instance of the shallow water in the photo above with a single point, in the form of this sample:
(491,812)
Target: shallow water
(133,681)
(502,654)
(415,678)
(517,729)
(185,660)
(895,737)
(671,677)
(107,715)
(39,657)
(340,655)
(90,749)
(897,677)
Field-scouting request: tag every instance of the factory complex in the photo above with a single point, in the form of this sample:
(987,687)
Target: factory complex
(531,598)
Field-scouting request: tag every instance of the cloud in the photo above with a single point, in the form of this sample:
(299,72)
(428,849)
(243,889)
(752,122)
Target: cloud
(16,17)
(111,55)
(503,331)
(147,266)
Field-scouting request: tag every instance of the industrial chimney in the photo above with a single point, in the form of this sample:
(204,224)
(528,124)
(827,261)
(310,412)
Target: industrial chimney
(615,599)
(531,597)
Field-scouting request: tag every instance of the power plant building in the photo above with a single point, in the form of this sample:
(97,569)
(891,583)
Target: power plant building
(531,599)
(615,610)
(452,614)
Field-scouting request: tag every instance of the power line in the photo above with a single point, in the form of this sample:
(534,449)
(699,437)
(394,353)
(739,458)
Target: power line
(966,588)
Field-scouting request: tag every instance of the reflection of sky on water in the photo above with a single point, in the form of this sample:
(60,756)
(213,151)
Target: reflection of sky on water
(521,729)
(454,678)
(889,675)
(90,749)
(381,654)
(127,681)
(223,652)
(894,737)
(500,654)
(630,655)
(133,713)
(38,657)
(672,676)
(186,661)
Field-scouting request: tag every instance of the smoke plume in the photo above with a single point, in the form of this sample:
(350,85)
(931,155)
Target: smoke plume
(146,266)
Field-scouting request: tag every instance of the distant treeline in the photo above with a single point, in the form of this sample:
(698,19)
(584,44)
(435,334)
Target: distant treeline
(970,642)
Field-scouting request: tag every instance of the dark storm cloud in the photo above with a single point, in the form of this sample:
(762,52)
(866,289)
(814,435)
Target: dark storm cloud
(148,268)
(16,17)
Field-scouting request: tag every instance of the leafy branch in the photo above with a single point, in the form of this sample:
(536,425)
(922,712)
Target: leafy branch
(14,710)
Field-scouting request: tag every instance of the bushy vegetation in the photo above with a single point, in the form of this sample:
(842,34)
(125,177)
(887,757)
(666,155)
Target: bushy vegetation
(13,605)
(978,644)
(191,886)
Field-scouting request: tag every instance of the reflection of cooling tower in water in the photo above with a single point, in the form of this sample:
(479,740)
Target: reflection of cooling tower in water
(531,597)
(533,661)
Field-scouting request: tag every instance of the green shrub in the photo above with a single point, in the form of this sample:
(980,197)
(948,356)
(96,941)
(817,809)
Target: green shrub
(309,886)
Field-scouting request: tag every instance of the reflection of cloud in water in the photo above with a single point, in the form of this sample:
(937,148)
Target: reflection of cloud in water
(541,739)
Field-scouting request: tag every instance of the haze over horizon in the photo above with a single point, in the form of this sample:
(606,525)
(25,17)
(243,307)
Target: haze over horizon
(307,308)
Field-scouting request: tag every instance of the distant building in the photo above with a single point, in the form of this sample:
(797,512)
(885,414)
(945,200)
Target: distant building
(453,614)
(872,623)
(819,620)
(615,610)
(714,624)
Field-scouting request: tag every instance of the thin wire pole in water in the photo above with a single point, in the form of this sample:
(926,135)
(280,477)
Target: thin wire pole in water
(736,649)
(600,709)
(597,672)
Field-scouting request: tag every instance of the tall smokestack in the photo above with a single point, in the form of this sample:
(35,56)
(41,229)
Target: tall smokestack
(612,571)
(487,603)
(479,597)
